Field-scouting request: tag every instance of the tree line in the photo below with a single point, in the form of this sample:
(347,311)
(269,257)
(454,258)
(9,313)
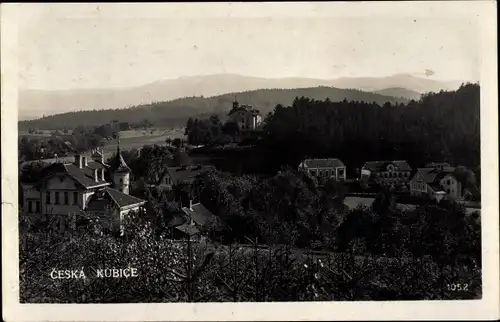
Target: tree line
(442,126)
(175,113)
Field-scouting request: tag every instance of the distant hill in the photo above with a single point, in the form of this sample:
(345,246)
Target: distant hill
(176,112)
(36,103)
(400,92)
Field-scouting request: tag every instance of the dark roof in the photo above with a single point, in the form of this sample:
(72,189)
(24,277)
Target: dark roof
(199,214)
(107,196)
(189,230)
(122,199)
(96,154)
(434,175)
(244,108)
(376,166)
(187,173)
(322,163)
(117,164)
(83,176)
(177,220)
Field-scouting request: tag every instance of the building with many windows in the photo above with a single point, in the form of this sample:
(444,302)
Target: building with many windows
(66,188)
(386,173)
(324,168)
(245,116)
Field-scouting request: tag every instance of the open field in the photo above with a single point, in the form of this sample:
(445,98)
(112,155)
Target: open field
(135,139)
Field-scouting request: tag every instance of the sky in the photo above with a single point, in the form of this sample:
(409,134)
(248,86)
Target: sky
(101,46)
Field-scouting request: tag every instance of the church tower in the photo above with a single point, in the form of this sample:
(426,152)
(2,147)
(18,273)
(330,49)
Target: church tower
(120,172)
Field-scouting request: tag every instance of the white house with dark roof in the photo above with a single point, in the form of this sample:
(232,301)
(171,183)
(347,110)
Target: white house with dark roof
(437,182)
(389,173)
(67,188)
(324,168)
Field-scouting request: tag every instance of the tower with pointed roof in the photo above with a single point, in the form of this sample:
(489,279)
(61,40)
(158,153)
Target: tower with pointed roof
(120,172)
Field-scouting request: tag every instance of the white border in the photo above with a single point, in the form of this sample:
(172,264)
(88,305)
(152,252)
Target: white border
(487,308)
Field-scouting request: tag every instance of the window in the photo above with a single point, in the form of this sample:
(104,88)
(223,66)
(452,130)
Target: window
(47,198)
(448,182)
(57,197)
(38,207)
(313,172)
(327,173)
(75,198)
(30,207)
(66,198)
(320,173)
(121,180)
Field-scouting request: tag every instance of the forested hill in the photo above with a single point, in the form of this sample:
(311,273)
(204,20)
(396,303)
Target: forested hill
(442,126)
(175,113)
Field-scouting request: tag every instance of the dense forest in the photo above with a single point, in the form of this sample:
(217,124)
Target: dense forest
(175,113)
(441,127)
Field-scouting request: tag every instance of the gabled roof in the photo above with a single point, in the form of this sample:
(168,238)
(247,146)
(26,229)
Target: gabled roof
(200,214)
(96,154)
(376,166)
(187,173)
(434,175)
(122,199)
(83,176)
(322,163)
(111,197)
(177,220)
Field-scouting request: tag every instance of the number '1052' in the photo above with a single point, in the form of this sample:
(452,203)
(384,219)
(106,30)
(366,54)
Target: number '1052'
(457,287)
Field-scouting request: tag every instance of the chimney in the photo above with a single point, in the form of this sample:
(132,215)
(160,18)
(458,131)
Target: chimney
(103,178)
(78,160)
(96,177)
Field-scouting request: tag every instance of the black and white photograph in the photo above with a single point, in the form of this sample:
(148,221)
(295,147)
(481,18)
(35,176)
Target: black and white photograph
(242,153)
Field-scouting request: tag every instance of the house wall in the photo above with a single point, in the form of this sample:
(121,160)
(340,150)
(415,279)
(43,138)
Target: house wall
(58,195)
(390,175)
(31,196)
(122,182)
(332,172)
(452,187)
(246,120)
(418,187)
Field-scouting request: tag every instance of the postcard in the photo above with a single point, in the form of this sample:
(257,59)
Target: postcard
(250,161)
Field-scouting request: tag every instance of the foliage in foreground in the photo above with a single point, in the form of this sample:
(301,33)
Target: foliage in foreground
(172,271)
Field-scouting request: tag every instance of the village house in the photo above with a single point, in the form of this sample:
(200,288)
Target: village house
(245,116)
(386,173)
(324,168)
(182,175)
(192,221)
(436,181)
(66,188)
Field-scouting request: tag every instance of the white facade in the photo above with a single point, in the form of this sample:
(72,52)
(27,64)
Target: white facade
(121,181)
